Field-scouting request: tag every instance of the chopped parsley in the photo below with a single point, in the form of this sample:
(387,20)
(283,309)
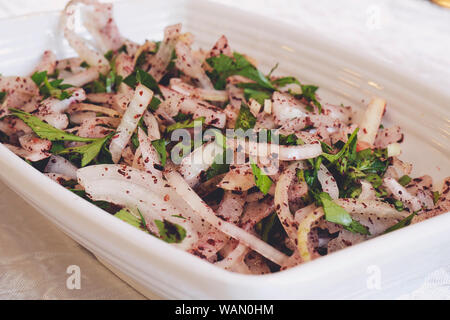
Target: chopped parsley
(88,151)
(401,224)
(245,120)
(45,131)
(262,181)
(160,147)
(54,88)
(170,232)
(224,67)
(404,180)
(336,214)
(186,124)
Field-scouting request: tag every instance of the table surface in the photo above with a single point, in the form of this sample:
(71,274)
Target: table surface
(410,34)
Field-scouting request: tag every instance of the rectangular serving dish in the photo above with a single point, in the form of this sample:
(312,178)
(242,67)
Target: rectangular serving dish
(401,259)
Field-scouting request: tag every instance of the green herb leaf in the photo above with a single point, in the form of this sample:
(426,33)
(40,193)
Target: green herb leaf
(53,88)
(245,120)
(403,223)
(262,181)
(186,124)
(225,67)
(308,91)
(336,214)
(88,151)
(160,147)
(333,212)
(436,196)
(109,55)
(107,206)
(346,149)
(404,180)
(45,131)
(2,96)
(170,232)
(128,217)
(140,76)
(218,167)
(258,95)
(267,227)
(357,227)
(154,104)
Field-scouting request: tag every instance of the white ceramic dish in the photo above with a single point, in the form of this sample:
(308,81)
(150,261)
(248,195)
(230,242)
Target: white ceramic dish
(401,259)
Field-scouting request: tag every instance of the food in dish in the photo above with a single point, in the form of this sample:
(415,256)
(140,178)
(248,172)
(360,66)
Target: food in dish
(250,171)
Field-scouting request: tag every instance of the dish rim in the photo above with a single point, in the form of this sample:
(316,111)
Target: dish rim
(112,224)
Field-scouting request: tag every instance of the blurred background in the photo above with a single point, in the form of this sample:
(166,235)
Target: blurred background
(412,35)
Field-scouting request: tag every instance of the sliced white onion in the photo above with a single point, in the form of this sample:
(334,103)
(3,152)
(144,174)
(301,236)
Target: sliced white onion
(162,58)
(31,143)
(380,208)
(92,57)
(176,102)
(371,121)
(94,108)
(220,47)
(394,149)
(135,197)
(285,107)
(341,113)
(31,156)
(318,121)
(60,165)
(328,182)
(400,193)
(239,178)
(255,212)
(254,107)
(152,126)
(135,110)
(275,151)
(57,177)
(268,106)
(305,222)
(99,21)
(83,77)
(198,93)
(231,207)
(190,66)
(205,212)
(199,161)
(388,136)
(47,63)
(234,260)
(150,157)
(56,105)
(367,191)
(281,200)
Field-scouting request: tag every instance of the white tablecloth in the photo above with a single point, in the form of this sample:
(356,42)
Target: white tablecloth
(413,34)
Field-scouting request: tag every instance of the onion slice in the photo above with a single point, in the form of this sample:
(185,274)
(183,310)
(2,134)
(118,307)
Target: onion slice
(199,161)
(400,193)
(129,122)
(57,164)
(281,200)
(275,151)
(328,182)
(205,212)
(150,157)
(371,121)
